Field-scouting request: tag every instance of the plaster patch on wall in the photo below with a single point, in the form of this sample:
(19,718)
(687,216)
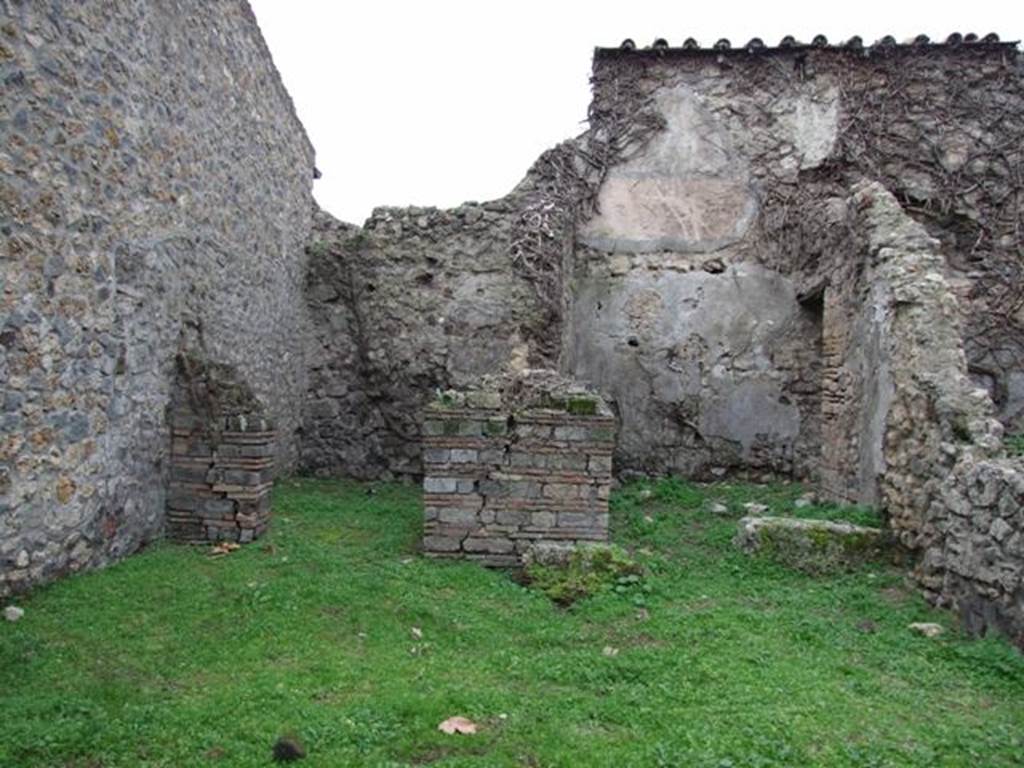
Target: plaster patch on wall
(686,191)
(813,125)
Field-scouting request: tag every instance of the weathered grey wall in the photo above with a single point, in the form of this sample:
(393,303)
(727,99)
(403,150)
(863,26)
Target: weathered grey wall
(752,145)
(951,493)
(714,364)
(710,372)
(857,389)
(154,193)
(415,300)
(975,563)
(683,293)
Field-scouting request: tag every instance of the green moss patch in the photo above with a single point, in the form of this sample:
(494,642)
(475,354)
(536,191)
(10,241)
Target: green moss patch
(584,571)
(812,546)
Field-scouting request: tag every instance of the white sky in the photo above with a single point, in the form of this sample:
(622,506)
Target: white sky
(437,102)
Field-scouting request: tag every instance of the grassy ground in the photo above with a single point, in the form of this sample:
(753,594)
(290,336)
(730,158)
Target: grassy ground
(173,658)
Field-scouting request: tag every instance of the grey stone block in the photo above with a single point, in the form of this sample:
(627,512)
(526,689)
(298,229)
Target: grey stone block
(572,433)
(441,544)
(521,460)
(493,456)
(457,516)
(492,546)
(217,506)
(513,517)
(811,545)
(543,519)
(572,462)
(463,456)
(436,455)
(575,519)
(562,491)
(241,477)
(493,488)
(524,489)
(440,484)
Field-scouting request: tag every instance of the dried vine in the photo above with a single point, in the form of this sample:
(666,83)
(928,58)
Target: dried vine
(944,131)
(381,381)
(562,187)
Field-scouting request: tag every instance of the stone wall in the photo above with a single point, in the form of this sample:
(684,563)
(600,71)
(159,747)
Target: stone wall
(501,476)
(684,286)
(897,394)
(950,492)
(857,385)
(713,369)
(416,300)
(975,563)
(154,196)
(679,288)
(919,438)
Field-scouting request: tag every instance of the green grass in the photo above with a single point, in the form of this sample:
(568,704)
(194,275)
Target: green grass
(172,658)
(1014,445)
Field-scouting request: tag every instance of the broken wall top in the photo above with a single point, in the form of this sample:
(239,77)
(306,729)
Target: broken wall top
(527,390)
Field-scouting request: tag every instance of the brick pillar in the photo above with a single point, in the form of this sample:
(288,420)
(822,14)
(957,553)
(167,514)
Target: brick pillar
(497,479)
(220,479)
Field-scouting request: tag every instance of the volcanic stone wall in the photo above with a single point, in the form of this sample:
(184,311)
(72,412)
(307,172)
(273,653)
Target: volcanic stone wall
(684,288)
(975,563)
(691,287)
(155,196)
(907,429)
(416,300)
(498,479)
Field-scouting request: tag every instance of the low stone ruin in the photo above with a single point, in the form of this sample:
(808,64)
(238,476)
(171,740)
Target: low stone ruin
(798,261)
(222,457)
(975,561)
(815,546)
(515,462)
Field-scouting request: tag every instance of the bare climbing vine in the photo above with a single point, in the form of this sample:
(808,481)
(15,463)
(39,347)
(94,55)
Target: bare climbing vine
(562,187)
(946,136)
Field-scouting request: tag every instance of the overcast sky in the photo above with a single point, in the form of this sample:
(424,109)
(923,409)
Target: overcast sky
(438,102)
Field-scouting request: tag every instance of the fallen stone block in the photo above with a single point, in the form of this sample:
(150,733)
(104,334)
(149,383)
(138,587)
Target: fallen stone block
(13,613)
(813,546)
(926,628)
(548,553)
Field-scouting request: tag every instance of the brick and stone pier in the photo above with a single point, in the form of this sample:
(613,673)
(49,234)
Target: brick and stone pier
(220,486)
(503,471)
(222,457)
